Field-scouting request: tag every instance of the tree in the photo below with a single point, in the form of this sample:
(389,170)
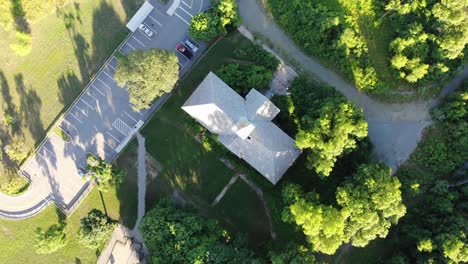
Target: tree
(174,235)
(372,202)
(103,173)
(206,26)
(322,225)
(147,74)
(51,240)
(211,23)
(330,130)
(242,77)
(95,229)
(16,151)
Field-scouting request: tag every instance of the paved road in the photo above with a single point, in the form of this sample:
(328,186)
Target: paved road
(395,129)
(100,121)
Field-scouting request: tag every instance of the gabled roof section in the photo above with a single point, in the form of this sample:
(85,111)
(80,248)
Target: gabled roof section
(244,126)
(260,107)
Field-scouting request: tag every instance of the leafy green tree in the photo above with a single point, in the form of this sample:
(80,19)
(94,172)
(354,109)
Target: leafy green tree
(174,235)
(22,44)
(228,13)
(16,151)
(206,26)
(50,240)
(95,229)
(336,129)
(324,226)
(372,202)
(147,74)
(103,173)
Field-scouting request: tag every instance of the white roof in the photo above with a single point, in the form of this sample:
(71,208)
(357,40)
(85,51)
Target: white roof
(244,126)
(139,16)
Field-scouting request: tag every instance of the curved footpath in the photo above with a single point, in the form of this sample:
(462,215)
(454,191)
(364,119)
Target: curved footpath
(394,129)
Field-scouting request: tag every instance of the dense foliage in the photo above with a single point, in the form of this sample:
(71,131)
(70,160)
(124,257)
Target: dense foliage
(16,151)
(147,74)
(175,235)
(244,75)
(293,254)
(103,173)
(95,229)
(378,42)
(215,21)
(50,240)
(436,225)
(329,125)
(368,204)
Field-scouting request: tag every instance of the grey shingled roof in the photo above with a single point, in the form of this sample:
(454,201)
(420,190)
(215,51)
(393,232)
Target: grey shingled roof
(223,111)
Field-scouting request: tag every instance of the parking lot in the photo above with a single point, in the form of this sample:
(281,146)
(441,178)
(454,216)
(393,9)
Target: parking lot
(101,121)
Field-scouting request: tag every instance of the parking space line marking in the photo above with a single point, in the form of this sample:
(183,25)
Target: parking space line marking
(111,67)
(87,104)
(138,41)
(70,124)
(130,46)
(76,117)
(81,110)
(112,136)
(155,9)
(104,83)
(201,5)
(155,21)
(182,19)
(51,153)
(108,145)
(43,157)
(130,116)
(88,93)
(99,91)
(186,4)
(108,75)
(185,11)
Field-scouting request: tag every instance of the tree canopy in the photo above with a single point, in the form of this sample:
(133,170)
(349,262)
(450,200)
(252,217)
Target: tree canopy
(175,235)
(368,204)
(329,125)
(103,173)
(372,202)
(215,21)
(147,74)
(95,229)
(50,240)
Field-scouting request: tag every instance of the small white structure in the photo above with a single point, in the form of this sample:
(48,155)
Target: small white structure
(139,16)
(244,126)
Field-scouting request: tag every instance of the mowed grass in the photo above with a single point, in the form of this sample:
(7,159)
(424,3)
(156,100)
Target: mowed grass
(189,173)
(18,240)
(68,47)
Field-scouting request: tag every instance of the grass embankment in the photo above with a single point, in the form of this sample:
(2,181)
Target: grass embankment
(69,45)
(190,172)
(18,237)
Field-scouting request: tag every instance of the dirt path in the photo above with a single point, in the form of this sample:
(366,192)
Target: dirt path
(394,129)
(141,179)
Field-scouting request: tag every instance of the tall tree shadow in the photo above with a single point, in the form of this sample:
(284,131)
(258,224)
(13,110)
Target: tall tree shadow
(30,109)
(9,108)
(19,16)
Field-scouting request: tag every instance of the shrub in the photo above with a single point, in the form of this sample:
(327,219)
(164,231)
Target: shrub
(243,77)
(22,45)
(51,240)
(206,26)
(16,151)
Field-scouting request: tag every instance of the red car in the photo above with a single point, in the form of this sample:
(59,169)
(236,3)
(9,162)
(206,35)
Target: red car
(184,50)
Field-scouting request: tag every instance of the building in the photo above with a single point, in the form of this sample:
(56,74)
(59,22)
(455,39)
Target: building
(243,126)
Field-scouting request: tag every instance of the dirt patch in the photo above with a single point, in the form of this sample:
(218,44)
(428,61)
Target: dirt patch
(153,167)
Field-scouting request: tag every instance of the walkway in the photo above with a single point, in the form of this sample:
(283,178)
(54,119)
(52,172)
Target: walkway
(394,129)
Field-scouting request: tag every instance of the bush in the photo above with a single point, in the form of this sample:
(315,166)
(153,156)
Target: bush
(16,151)
(22,45)
(435,156)
(243,77)
(51,240)
(206,26)
(95,229)
(17,185)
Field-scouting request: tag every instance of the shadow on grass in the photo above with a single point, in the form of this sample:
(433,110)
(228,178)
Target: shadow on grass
(19,16)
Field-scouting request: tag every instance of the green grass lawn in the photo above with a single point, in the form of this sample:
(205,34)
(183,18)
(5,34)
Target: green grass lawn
(190,172)
(68,47)
(17,237)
